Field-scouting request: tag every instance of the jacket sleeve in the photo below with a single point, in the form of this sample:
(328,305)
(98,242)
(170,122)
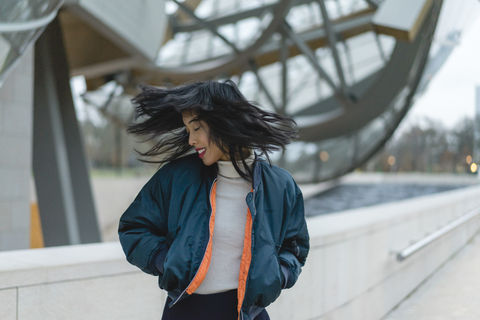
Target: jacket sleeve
(296,244)
(143,228)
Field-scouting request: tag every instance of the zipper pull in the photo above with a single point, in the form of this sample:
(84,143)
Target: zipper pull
(296,248)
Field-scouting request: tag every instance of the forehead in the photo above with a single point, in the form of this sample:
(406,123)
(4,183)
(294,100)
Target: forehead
(188,116)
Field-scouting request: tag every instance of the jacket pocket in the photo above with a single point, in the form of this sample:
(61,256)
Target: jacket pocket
(276,284)
(170,237)
(169,280)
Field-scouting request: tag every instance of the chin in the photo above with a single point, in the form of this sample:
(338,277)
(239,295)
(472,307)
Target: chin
(207,162)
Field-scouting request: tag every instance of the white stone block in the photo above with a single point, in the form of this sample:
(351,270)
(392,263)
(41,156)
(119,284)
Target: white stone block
(30,267)
(6,90)
(134,296)
(15,239)
(5,187)
(2,118)
(16,273)
(21,216)
(5,216)
(8,304)
(19,118)
(13,184)
(314,276)
(8,155)
(338,274)
(304,300)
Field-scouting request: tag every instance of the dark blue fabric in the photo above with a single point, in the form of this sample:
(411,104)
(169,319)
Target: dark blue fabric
(285,274)
(173,209)
(159,260)
(218,306)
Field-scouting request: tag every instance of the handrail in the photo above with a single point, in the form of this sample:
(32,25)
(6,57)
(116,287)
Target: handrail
(27,25)
(407,252)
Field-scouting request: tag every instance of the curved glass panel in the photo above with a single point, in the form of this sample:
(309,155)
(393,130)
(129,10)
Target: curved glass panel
(318,61)
(21,14)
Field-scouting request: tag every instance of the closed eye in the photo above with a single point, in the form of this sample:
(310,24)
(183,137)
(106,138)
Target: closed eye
(196,129)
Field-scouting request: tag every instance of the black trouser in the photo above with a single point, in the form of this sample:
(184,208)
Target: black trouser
(217,306)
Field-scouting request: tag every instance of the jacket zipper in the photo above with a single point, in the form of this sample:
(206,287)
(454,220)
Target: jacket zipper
(296,248)
(210,195)
(255,210)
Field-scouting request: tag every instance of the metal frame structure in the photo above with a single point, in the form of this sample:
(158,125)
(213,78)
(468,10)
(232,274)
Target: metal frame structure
(354,105)
(64,194)
(27,30)
(353,116)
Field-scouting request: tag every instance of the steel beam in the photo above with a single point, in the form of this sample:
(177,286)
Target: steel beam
(211,68)
(373,3)
(347,27)
(283,60)
(332,41)
(380,48)
(266,52)
(305,49)
(262,86)
(234,17)
(205,24)
(64,193)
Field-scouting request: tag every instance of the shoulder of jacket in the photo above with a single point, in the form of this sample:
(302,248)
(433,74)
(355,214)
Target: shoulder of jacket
(277,173)
(189,163)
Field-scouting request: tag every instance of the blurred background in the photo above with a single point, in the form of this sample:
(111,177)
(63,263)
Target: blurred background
(439,130)
(386,95)
(374,87)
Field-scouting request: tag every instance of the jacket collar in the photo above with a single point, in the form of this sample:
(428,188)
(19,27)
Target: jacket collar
(211,172)
(257,172)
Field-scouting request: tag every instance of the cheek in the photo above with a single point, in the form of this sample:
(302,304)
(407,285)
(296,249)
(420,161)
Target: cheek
(203,136)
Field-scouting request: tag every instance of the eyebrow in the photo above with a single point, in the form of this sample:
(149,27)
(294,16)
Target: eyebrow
(194,120)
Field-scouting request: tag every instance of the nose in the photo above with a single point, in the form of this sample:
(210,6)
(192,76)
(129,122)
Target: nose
(191,139)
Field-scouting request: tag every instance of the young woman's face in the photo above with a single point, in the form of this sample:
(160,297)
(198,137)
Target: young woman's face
(199,138)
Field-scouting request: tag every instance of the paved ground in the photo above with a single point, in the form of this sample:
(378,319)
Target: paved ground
(452,293)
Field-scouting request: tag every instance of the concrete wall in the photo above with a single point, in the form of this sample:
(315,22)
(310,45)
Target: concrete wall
(351,272)
(76,282)
(16,114)
(113,195)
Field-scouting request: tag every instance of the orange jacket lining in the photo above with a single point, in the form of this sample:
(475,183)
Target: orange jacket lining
(245,262)
(202,270)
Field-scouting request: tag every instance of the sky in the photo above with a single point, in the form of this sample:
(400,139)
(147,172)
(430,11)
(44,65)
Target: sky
(450,95)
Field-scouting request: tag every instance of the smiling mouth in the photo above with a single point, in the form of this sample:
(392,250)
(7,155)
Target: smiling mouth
(201,152)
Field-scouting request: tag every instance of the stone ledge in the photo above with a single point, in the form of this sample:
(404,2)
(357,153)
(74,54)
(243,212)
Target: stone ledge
(332,228)
(55,264)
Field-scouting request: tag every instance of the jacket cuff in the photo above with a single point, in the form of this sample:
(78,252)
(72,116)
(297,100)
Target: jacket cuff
(157,264)
(286,274)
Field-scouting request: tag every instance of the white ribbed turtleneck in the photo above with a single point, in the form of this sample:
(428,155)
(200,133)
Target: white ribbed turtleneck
(229,231)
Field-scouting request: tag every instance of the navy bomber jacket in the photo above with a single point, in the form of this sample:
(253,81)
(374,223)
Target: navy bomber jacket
(173,216)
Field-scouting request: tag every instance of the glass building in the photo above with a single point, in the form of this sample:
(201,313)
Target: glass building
(21,23)
(320,62)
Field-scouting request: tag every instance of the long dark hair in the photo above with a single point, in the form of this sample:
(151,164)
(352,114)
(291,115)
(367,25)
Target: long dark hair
(235,124)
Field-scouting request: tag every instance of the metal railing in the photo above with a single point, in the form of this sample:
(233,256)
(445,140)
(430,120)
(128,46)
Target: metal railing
(407,252)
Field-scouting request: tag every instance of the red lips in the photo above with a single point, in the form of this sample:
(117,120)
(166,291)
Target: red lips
(200,152)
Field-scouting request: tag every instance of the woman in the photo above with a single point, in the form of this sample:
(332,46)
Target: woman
(223,229)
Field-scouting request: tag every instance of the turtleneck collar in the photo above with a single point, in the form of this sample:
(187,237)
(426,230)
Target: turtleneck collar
(227,170)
